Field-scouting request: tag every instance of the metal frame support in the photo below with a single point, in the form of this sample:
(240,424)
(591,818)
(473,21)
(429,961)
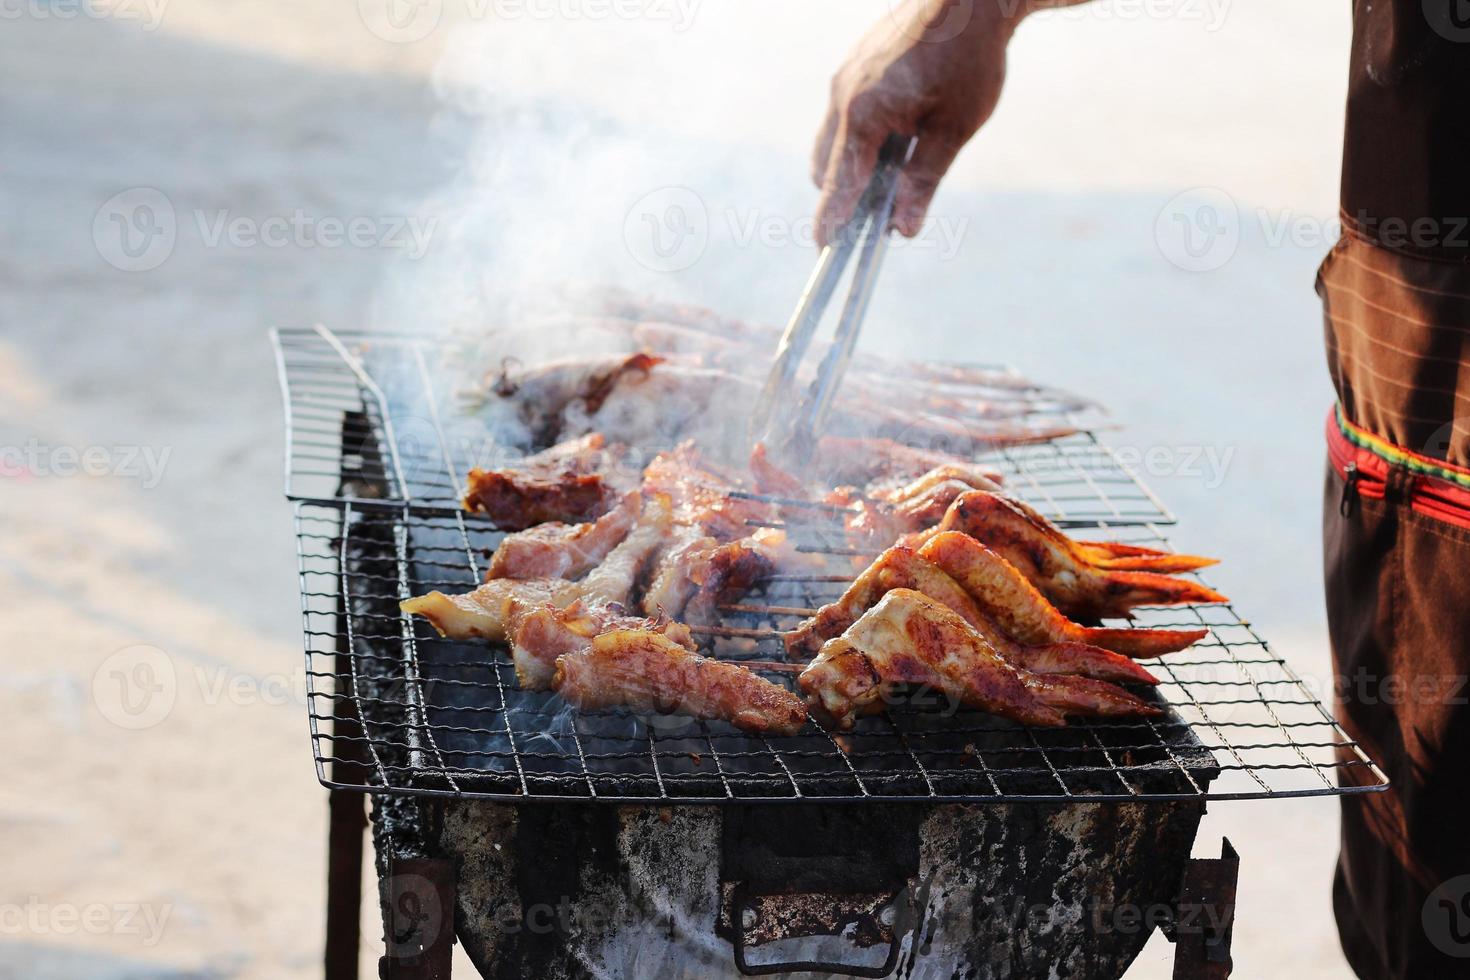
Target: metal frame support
(1205,918)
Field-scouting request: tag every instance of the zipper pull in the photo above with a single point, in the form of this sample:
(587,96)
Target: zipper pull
(1349,500)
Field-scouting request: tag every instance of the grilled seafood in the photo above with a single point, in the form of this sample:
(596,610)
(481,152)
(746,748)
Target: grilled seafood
(1025,614)
(1060,569)
(557,550)
(543,633)
(908,638)
(901,568)
(647,671)
(568,482)
(490,611)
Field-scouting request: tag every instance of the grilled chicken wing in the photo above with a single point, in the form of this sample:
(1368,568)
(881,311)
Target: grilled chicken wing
(647,671)
(1056,566)
(543,633)
(1112,554)
(489,612)
(909,638)
(557,550)
(1025,614)
(901,568)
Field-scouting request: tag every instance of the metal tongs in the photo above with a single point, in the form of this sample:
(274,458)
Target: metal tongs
(790,429)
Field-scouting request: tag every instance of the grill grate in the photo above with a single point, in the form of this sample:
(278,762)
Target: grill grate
(445,718)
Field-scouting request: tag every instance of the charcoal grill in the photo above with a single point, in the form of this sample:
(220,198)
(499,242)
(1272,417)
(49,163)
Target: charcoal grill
(454,752)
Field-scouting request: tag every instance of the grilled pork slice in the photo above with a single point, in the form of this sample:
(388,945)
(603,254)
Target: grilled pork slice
(701,494)
(1058,567)
(1025,614)
(490,611)
(571,482)
(649,672)
(865,462)
(901,568)
(545,632)
(558,550)
(695,573)
(910,639)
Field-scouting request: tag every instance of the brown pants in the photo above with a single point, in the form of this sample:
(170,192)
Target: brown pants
(1397,558)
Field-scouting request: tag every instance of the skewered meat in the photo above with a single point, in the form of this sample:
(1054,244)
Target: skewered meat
(649,672)
(909,638)
(895,490)
(901,568)
(878,525)
(863,462)
(545,632)
(647,400)
(557,550)
(1056,566)
(489,612)
(771,479)
(695,572)
(1025,614)
(567,482)
(701,494)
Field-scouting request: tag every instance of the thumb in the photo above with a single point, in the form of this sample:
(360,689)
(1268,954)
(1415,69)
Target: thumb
(919,180)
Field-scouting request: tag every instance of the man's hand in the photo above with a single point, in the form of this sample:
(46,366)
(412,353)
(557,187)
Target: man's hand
(934,69)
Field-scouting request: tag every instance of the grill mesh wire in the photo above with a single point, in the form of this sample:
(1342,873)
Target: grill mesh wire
(439,717)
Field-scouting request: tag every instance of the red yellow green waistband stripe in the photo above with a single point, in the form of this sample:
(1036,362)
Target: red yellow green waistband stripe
(1398,455)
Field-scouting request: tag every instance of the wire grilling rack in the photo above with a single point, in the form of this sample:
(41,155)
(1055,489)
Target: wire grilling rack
(395,708)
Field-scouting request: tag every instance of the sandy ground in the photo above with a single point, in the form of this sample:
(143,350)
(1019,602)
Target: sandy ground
(182,835)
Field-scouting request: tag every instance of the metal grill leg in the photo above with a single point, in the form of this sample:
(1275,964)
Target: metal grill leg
(1206,917)
(348,821)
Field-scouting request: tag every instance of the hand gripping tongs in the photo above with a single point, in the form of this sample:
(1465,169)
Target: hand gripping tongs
(791,429)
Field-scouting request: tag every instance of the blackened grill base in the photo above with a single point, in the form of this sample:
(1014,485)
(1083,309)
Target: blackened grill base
(1010,891)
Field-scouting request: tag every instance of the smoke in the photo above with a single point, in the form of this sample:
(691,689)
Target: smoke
(657,146)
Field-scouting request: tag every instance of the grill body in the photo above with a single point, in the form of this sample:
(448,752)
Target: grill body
(909,890)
